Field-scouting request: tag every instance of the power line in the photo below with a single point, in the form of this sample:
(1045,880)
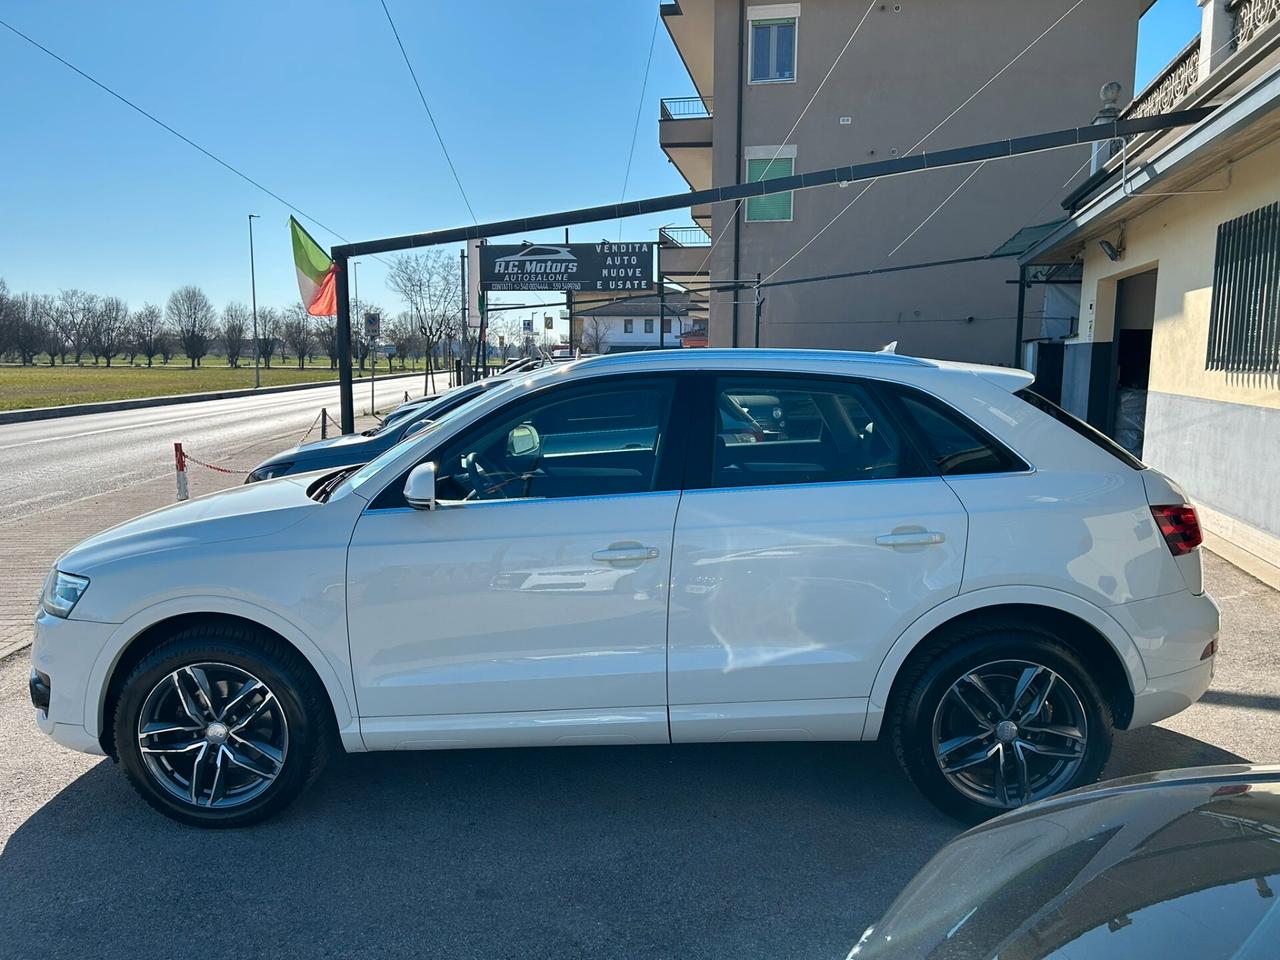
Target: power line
(920,226)
(183,137)
(423,98)
(935,129)
(635,129)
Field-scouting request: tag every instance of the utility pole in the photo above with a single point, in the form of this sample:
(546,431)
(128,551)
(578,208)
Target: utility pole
(253,293)
(759,304)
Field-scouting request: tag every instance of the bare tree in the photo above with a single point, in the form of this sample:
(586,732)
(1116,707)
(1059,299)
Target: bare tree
(73,319)
(296,331)
(147,331)
(109,328)
(595,335)
(327,340)
(268,333)
(429,285)
(235,324)
(24,328)
(192,317)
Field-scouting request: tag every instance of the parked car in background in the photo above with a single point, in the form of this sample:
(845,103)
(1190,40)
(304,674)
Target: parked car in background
(1184,863)
(913,549)
(357,448)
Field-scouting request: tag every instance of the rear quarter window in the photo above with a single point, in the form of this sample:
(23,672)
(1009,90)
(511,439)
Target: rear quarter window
(953,444)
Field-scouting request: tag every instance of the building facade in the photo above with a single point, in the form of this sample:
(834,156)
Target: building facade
(918,75)
(634,323)
(1177,351)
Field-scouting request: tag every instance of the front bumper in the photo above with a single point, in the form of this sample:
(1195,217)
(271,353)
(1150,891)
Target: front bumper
(63,653)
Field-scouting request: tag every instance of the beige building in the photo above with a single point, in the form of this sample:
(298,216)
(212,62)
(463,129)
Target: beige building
(1177,350)
(919,75)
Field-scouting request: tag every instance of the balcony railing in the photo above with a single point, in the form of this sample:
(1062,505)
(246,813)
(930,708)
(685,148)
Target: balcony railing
(685,108)
(1169,87)
(1252,17)
(683,237)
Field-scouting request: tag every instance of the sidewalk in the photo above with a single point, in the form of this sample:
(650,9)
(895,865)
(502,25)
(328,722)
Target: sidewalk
(30,546)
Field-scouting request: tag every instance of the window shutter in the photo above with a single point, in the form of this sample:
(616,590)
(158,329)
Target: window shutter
(776,206)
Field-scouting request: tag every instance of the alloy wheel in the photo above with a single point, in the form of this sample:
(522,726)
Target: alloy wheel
(1010,732)
(213,735)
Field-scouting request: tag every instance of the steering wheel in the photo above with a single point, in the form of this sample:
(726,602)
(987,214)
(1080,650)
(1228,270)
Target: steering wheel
(486,482)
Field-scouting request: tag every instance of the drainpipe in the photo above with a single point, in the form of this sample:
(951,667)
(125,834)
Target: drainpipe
(737,162)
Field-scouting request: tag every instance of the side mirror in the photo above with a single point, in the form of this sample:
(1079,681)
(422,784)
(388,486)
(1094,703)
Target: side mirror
(523,441)
(415,428)
(420,487)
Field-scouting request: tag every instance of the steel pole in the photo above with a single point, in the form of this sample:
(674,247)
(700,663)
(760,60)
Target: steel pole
(253,293)
(347,419)
(1022,307)
(759,303)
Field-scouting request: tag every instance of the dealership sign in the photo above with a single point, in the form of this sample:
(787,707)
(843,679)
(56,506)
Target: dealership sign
(570,266)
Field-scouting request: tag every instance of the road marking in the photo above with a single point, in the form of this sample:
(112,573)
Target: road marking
(132,426)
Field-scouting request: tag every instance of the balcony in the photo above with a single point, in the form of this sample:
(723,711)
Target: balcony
(691,24)
(684,132)
(683,253)
(1239,38)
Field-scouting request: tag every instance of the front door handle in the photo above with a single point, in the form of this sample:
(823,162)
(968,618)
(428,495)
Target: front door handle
(626,554)
(918,538)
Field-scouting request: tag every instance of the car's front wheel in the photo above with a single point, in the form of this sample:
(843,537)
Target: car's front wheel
(999,716)
(219,726)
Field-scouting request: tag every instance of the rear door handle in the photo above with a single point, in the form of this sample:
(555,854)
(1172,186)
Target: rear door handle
(626,554)
(919,538)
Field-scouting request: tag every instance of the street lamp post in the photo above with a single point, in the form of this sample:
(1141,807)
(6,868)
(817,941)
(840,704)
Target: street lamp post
(253,293)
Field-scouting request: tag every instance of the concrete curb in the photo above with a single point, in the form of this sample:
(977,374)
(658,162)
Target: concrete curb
(111,406)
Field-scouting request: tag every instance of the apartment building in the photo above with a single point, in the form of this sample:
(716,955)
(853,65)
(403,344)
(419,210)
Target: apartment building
(1177,245)
(919,75)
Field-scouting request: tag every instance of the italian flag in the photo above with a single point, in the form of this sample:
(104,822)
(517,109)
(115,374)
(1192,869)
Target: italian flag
(316,274)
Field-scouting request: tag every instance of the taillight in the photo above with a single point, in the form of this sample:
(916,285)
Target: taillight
(1180,527)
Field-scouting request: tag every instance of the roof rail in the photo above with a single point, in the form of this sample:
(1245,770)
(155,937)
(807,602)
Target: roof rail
(732,353)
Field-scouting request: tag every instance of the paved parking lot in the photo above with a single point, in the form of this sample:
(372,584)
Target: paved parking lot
(771,850)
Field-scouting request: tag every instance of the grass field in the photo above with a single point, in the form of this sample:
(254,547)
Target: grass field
(25,387)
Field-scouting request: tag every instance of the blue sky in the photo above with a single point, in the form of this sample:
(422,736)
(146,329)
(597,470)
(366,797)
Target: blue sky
(536,100)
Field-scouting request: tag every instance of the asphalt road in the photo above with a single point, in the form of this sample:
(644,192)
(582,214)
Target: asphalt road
(715,851)
(47,463)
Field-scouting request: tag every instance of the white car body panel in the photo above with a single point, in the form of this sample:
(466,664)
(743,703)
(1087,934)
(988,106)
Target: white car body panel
(412,622)
(782,593)
(477,630)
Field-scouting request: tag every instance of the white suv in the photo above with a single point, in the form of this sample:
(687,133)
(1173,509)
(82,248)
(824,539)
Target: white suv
(655,547)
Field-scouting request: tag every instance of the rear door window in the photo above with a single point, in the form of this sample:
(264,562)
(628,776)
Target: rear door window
(787,430)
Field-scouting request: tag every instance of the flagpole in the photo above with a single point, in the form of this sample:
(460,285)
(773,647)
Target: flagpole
(253,292)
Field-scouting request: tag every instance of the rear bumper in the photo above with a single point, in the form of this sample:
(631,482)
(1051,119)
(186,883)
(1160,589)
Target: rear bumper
(1172,634)
(1164,696)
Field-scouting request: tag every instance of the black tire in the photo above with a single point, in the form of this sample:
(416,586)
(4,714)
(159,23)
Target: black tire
(290,701)
(921,726)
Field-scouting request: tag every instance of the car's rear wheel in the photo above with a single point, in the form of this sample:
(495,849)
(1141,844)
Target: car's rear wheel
(219,726)
(1000,715)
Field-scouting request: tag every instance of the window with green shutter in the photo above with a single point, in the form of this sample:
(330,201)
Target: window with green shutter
(776,206)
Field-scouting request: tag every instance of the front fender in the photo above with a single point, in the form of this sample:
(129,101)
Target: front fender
(336,677)
(948,610)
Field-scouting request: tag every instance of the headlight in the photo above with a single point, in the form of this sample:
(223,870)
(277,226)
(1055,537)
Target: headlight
(268,471)
(61,591)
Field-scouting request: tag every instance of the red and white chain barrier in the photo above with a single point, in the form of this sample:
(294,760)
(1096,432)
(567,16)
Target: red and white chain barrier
(180,458)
